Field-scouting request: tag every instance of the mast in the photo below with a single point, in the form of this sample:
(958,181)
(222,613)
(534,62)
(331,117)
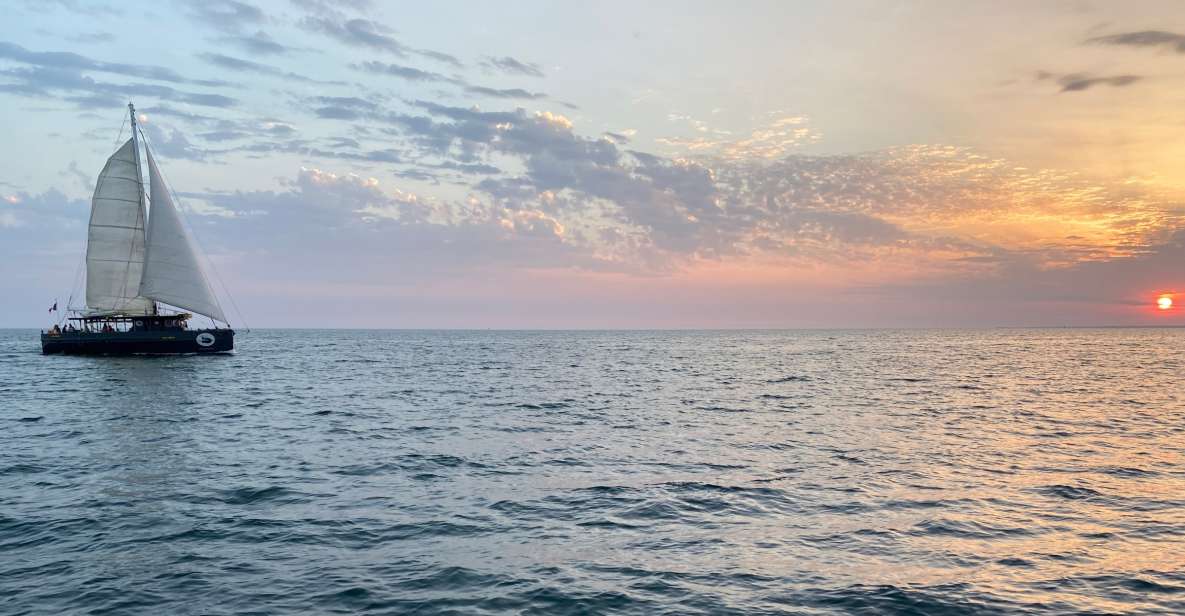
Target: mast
(139,176)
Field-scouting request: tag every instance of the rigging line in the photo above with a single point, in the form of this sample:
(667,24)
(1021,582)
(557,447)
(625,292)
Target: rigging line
(202,248)
(73,287)
(225,291)
(119,135)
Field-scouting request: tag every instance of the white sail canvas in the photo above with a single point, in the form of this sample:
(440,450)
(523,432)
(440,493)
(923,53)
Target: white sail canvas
(115,239)
(172,272)
(136,259)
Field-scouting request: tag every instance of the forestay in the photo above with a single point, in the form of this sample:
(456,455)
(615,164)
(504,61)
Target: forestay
(172,272)
(115,239)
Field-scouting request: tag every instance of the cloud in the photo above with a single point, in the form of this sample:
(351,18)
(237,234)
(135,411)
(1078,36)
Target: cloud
(414,74)
(618,138)
(1144,38)
(240,65)
(226,15)
(674,205)
(311,149)
(1077,82)
(171,144)
(921,223)
(224,135)
(69,61)
(343,107)
(440,57)
(276,128)
(673,201)
(507,64)
(63,74)
(947,208)
(91,37)
(259,44)
(961,209)
(349,228)
(86,92)
(210,129)
(468,168)
(365,33)
(359,33)
(189,116)
(52,214)
(893,217)
(403,72)
(332,8)
(511,93)
(780,136)
(964,204)
(334,243)
(214,129)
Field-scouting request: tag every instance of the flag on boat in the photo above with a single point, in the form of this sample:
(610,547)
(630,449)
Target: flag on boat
(54,307)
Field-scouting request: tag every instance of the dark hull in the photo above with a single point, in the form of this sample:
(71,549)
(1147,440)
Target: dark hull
(176,342)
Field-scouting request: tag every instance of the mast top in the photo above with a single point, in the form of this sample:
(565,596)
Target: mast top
(132,113)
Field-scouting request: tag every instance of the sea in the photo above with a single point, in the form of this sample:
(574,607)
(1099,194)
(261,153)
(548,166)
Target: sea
(922,472)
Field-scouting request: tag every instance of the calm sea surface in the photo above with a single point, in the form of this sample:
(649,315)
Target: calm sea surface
(768,472)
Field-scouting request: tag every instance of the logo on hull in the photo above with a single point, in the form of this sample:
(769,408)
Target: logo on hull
(205,339)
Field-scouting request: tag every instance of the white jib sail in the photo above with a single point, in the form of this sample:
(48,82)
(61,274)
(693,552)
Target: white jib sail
(115,240)
(173,273)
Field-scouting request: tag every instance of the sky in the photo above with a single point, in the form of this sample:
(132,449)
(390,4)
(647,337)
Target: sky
(618,164)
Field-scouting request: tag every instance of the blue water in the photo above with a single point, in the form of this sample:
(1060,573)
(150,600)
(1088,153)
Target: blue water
(861,472)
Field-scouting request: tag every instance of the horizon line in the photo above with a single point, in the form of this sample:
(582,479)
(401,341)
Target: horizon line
(681,329)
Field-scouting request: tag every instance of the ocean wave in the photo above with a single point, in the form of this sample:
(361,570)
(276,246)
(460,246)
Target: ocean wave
(983,472)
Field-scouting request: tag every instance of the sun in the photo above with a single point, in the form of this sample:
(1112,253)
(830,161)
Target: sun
(1164,302)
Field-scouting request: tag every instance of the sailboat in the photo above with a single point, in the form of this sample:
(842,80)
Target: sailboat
(144,279)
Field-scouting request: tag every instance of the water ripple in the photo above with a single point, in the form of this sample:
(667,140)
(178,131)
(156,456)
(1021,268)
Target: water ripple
(830,472)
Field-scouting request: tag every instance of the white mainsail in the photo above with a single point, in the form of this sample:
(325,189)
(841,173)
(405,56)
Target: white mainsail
(115,240)
(172,271)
